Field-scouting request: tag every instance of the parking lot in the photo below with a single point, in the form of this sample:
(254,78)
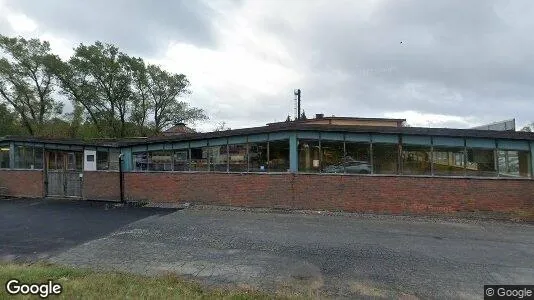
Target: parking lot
(345,255)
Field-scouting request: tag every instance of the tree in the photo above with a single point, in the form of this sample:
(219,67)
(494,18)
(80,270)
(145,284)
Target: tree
(157,92)
(99,78)
(26,81)
(303,115)
(221,126)
(9,121)
(528,128)
(141,105)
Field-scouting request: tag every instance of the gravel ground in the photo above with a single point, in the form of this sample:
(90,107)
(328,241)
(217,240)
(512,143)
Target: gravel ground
(317,255)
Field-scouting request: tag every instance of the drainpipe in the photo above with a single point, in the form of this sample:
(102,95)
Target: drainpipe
(121,179)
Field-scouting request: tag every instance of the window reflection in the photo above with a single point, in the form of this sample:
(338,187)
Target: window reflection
(416,160)
(449,161)
(481,162)
(309,156)
(385,158)
(279,156)
(514,163)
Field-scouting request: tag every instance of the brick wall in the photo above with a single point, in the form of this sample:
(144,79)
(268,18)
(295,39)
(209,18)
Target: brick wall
(251,190)
(318,192)
(333,192)
(23,183)
(101,186)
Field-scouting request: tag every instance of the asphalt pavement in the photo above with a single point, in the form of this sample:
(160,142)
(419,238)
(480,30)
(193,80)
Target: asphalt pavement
(316,255)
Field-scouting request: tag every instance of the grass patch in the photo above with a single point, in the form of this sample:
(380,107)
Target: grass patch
(88,284)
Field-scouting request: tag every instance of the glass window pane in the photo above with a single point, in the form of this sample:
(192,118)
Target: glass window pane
(102,160)
(140,161)
(181,160)
(79,160)
(28,158)
(332,158)
(199,159)
(238,158)
(481,162)
(278,156)
(514,164)
(71,161)
(38,157)
(219,158)
(416,160)
(357,158)
(160,161)
(114,159)
(258,157)
(4,156)
(385,158)
(19,157)
(308,156)
(448,161)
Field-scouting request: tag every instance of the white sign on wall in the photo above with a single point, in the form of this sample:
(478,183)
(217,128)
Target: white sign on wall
(89,160)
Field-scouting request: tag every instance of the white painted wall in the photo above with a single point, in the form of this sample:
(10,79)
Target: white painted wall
(89,165)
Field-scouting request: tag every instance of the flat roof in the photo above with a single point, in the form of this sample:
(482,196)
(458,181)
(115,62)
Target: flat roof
(340,118)
(280,127)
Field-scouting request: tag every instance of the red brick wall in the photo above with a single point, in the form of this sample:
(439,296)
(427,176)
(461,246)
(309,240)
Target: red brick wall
(23,183)
(251,190)
(101,185)
(333,192)
(329,192)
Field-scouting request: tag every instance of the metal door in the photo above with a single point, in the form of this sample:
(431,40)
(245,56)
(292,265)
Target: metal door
(63,171)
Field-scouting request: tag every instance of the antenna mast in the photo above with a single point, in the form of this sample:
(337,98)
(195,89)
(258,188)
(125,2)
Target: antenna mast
(297,104)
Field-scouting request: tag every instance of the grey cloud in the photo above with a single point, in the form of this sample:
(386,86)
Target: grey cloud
(143,27)
(460,58)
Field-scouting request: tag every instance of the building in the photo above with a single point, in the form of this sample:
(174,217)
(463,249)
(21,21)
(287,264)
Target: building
(359,166)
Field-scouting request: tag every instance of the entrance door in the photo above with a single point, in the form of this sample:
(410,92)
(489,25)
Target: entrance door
(63,170)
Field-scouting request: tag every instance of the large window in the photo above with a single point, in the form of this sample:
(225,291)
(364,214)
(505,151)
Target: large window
(237,155)
(107,159)
(4,156)
(279,156)
(385,158)
(219,158)
(332,158)
(160,161)
(514,163)
(481,162)
(61,160)
(181,160)
(102,160)
(27,157)
(258,157)
(309,156)
(416,160)
(449,161)
(357,158)
(199,159)
(140,161)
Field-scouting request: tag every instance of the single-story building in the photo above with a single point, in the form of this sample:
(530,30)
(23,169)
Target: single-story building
(349,164)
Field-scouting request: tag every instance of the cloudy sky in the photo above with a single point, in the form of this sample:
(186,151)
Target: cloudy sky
(441,63)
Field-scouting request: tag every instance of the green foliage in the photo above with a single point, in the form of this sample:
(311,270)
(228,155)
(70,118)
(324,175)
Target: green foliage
(87,284)
(112,94)
(303,115)
(9,122)
(528,128)
(27,83)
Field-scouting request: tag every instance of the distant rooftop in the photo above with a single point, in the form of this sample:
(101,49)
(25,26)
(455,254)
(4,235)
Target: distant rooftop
(348,121)
(178,129)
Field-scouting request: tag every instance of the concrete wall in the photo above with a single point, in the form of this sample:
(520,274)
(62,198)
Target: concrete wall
(23,183)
